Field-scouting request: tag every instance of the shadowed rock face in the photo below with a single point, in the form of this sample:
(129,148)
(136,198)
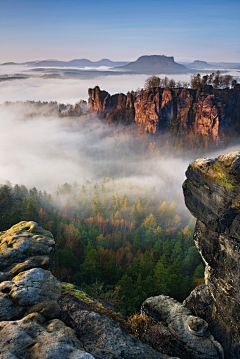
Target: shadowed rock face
(212,194)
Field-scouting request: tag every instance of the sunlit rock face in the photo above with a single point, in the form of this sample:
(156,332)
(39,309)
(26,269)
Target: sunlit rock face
(212,194)
(207,111)
(24,246)
(148,109)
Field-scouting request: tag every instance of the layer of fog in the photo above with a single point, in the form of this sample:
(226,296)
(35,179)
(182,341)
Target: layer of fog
(45,151)
(48,151)
(69,90)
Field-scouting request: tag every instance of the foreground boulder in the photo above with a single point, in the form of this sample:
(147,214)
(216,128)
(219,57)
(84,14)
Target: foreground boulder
(24,246)
(34,337)
(101,330)
(41,318)
(32,303)
(29,295)
(188,336)
(212,194)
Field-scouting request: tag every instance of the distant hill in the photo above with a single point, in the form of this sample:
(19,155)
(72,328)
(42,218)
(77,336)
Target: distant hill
(226,65)
(198,64)
(9,63)
(155,64)
(72,63)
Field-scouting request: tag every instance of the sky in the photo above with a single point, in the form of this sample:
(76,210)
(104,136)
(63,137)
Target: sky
(119,30)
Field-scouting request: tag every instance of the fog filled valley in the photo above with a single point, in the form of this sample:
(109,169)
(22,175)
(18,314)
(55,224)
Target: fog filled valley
(110,193)
(119,179)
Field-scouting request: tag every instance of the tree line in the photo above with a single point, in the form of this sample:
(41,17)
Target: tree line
(216,80)
(119,248)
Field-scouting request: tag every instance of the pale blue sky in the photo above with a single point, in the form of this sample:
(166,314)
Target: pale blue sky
(120,30)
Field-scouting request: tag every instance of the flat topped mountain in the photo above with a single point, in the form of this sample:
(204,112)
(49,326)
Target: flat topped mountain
(155,64)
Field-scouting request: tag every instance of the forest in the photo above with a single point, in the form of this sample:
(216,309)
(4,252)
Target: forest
(126,236)
(115,240)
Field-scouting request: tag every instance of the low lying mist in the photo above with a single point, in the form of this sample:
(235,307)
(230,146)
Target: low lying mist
(39,149)
(70,88)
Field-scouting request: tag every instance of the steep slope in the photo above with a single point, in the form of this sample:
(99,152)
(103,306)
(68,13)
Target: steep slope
(212,194)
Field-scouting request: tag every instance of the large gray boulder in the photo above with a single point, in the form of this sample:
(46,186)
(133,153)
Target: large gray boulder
(34,289)
(33,337)
(101,335)
(188,335)
(24,246)
(29,294)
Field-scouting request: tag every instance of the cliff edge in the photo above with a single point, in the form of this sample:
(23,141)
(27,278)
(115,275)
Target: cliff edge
(212,194)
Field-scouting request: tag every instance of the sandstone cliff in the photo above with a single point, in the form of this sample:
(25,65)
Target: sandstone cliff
(207,111)
(212,194)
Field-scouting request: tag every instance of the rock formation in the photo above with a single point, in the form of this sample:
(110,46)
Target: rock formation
(32,304)
(212,194)
(42,318)
(29,299)
(209,112)
(189,335)
(100,334)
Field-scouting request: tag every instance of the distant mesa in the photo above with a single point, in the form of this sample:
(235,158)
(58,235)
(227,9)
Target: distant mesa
(155,64)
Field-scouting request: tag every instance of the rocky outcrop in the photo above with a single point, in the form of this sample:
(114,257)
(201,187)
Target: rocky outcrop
(34,337)
(35,308)
(101,335)
(148,109)
(98,100)
(212,194)
(29,298)
(207,118)
(24,246)
(207,111)
(188,335)
(44,319)
(117,108)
